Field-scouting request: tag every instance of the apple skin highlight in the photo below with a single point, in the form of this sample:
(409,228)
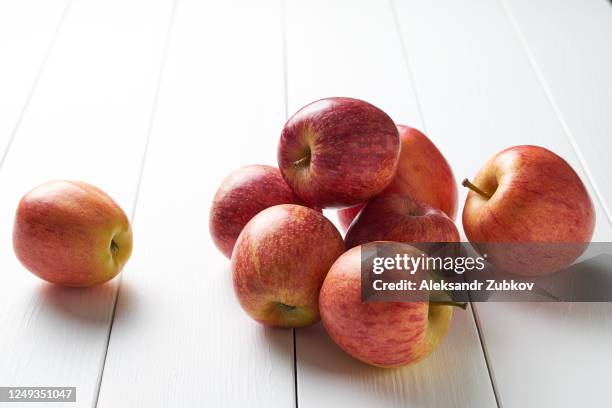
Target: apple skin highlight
(338,152)
(71,233)
(242,195)
(280,261)
(535,197)
(383,334)
(422,173)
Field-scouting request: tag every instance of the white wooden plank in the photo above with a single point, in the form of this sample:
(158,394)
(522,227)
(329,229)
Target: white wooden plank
(87,120)
(352,48)
(179,337)
(479,94)
(337,49)
(27,32)
(569,45)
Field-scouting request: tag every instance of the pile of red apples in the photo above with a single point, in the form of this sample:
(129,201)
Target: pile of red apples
(291,267)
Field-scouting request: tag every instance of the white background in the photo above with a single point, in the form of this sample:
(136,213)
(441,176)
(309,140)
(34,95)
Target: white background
(155,101)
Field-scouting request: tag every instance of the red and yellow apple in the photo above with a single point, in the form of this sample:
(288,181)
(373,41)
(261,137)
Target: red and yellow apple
(279,262)
(399,218)
(71,233)
(422,173)
(241,196)
(338,152)
(384,334)
(532,209)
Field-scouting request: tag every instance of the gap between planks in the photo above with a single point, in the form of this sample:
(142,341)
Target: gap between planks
(406,58)
(283,28)
(34,85)
(553,103)
(155,103)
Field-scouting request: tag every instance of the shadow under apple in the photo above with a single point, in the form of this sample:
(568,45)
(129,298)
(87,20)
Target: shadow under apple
(452,364)
(585,291)
(92,306)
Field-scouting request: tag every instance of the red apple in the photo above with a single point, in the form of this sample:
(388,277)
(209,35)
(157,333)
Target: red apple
(527,195)
(71,233)
(422,173)
(384,334)
(241,196)
(338,152)
(279,263)
(399,218)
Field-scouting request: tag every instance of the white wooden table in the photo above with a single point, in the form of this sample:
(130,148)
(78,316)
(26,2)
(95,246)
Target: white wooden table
(156,100)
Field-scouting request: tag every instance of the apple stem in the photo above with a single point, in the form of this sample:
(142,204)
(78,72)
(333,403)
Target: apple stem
(114,247)
(461,305)
(466,183)
(303,161)
(285,307)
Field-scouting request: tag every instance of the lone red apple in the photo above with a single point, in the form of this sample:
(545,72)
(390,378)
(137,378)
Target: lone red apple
(399,218)
(527,195)
(384,334)
(338,152)
(279,263)
(241,196)
(422,173)
(71,233)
